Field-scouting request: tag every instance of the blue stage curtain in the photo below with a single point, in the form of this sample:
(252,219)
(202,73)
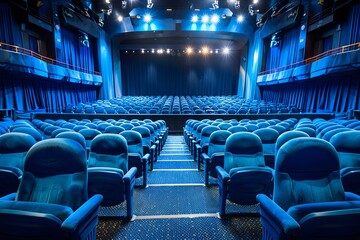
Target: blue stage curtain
(355,24)
(74,53)
(180,74)
(9,30)
(28,93)
(287,51)
(333,94)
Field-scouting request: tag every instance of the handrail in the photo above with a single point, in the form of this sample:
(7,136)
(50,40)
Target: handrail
(321,15)
(44,58)
(343,49)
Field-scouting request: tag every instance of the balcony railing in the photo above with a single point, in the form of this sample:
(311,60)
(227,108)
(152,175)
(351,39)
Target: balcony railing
(343,49)
(26,51)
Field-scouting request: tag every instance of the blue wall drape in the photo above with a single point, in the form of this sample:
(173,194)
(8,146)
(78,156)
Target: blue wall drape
(254,62)
(166,74)
(27,92)
(74,53)
(107,90)
(286,53)
(355,24)
(9,30)
(330,94)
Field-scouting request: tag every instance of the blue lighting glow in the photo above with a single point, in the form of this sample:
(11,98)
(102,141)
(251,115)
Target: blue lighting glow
(215,18)
(194,18)
(147,18)
(205,18)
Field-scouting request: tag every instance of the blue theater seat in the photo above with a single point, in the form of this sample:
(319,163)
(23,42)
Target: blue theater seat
(136,157)
(108,172)
(13,149)
(244,174)
(215,155)
(203,145)
(52,200)
(347,144)
(309,201)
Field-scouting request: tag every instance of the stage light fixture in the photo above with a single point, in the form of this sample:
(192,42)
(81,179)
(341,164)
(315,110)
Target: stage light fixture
(226,50)
(120,18)
(168,51)
(205,50)
(240,18)
(142,51)
(84,40)
(215,18)
(255,1)
(147,18)
(189,50)
(237,4)
(215,4)
(152,50)
(123,4)
(150,4)
(107,1)
(194,18)
(205,19)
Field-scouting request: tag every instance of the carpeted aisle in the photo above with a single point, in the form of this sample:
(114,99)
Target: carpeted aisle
(177,205)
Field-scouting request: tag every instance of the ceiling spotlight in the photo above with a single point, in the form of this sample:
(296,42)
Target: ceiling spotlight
(152,50)
(240,18)
(147,18)
(123,4)
(142,51)
(150,4)
(215,4)
(255,1)
(216,51)
(107,1)
(215,18)
(194,18)
(189,50)
(120,18)
(237,4)
(226,50)
(160,51)
(205,19)
(205,50)
(168,51)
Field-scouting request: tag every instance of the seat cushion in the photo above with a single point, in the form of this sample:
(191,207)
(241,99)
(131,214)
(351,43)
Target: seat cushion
(300,211)
(59,211)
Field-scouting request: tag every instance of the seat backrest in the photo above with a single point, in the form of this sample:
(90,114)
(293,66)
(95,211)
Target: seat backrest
(74,136)
(307,170)
(205,134)
(145,135)
(243,149)
(287,136)
(55,171)
(109,150)
(347,144)
(217,142)
(31,131)
(13,148)
(268,138)
(134,142)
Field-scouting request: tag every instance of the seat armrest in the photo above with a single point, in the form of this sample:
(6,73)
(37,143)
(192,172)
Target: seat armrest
(205,157)
(349,196)
(9,197)
(145,158)
(273,213)
(130,174)
(84,216)
(222,174)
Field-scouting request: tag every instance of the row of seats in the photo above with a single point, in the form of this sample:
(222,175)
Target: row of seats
(180,105)
(302,194)
(113,160)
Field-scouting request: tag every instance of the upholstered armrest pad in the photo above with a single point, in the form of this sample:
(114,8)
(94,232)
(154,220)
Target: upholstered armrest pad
(10,196)
(205,157)
(222,174)
(197,146)
(349,196)
(14,170)
(347,170)
(275,214)
(130,174)
(145,158)
(84,215)
(250,169)
(59,211)
(301,210)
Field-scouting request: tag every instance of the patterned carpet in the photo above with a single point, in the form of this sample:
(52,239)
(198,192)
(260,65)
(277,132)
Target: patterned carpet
(177,205)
